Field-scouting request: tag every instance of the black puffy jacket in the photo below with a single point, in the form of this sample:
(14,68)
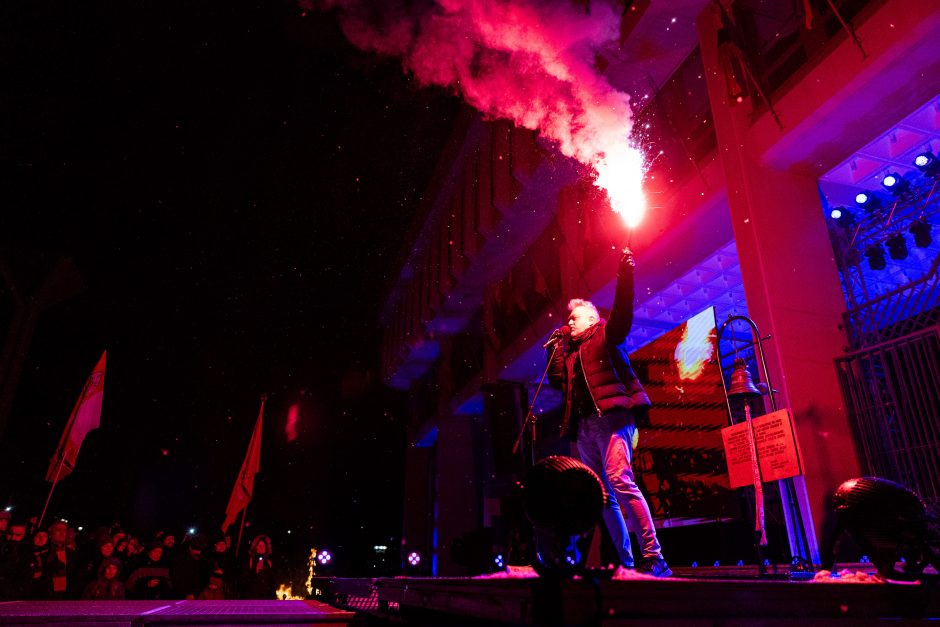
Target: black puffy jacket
(610,378)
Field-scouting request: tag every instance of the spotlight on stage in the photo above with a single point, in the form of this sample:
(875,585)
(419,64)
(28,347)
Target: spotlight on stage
(921,232)
(563,499)
(868,201)
(927,163)
(876,257)
(897,247)
(324,557)
(414,558)
(895,183)
(889,523)
(843,218)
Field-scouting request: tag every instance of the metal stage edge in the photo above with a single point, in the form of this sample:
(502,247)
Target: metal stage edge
(172,613)
(673,601)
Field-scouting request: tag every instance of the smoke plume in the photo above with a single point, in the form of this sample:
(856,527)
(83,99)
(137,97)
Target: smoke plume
(531,61)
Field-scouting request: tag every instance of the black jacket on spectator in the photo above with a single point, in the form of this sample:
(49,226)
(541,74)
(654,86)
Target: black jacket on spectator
(190,574)
(34,575)
(62,568)
(149,579)
(102,589)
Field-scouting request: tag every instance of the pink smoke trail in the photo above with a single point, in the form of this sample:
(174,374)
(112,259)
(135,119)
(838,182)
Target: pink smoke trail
(529,61)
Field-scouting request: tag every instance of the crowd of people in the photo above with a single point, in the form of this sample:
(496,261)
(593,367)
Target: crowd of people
(109,563)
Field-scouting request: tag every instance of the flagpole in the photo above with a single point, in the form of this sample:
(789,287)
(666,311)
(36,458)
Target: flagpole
(241,529)
(55,482)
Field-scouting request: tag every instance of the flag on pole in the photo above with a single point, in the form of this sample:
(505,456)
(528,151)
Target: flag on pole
(241,493)
(86,415)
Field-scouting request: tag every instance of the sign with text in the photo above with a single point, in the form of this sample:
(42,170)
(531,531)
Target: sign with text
(776,449)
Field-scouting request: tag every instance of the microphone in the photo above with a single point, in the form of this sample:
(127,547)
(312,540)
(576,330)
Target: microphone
(557,335)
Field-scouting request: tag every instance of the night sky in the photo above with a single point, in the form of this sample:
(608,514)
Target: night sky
(234,184)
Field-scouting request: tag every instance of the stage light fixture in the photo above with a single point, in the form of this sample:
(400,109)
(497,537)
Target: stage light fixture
(563,499)
(927,163)
(868,201)
(414,558)
(895,183)
(897,247)
(888,522)
(843,217)
(921,232)
(876,257)
(499,561)
(324,557)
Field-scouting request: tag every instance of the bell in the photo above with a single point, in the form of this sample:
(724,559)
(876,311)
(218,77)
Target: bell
(742,386)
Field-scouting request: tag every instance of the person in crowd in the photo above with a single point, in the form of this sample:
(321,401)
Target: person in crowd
(168,540)
(4,523)
(134,548)
(11,560)
(62,564)
(150,578)
(220,561)
(602,400)
(257,576)
(190,568)
(120,548)
(215,589)
(103,549)
(118,538)
(107,586)
(35,574)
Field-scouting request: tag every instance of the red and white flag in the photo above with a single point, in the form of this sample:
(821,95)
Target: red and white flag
(244,485)
(86,415)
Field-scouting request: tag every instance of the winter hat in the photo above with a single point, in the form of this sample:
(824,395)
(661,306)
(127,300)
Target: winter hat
(102,537)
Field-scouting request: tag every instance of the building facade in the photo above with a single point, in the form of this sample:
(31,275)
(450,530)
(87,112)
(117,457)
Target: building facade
(763,120)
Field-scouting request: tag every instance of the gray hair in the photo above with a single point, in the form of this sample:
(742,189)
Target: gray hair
(580,302)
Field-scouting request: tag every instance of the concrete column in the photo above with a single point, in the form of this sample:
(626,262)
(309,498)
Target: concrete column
(792,288)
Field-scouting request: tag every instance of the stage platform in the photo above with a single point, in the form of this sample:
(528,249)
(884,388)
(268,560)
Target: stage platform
(682,601)
(717,598)
(172,613)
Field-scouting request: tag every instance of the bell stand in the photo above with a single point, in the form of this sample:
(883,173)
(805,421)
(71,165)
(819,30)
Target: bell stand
(800,546)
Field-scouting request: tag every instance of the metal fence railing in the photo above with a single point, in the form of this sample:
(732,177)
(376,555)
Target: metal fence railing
(895,314)
(892,394)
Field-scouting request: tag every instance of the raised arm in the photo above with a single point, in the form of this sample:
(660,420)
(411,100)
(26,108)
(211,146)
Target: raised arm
(621,315)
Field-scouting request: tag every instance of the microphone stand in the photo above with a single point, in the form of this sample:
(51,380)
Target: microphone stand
(530,418)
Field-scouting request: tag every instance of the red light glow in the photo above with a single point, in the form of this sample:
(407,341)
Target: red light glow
(290,427)
(696,347)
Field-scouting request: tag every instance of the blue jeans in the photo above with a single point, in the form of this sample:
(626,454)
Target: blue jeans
(608,451)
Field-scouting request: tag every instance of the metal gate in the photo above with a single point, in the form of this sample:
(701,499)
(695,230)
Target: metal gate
(892,394)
